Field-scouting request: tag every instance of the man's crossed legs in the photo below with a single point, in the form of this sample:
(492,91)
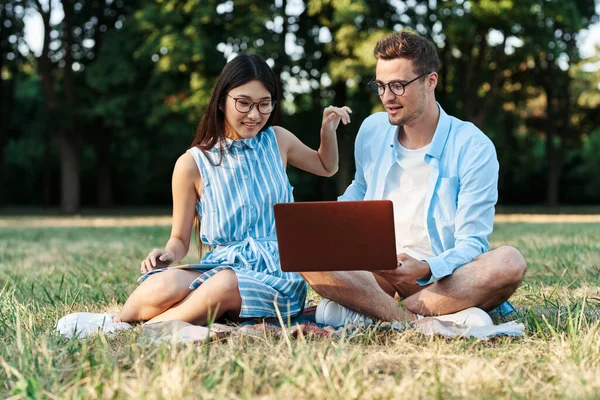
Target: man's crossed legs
(485,283)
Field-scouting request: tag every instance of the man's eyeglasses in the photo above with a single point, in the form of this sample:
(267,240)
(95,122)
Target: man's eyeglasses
(397,87)
(245,105)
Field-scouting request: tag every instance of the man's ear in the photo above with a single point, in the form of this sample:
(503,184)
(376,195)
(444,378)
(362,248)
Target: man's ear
(432,80)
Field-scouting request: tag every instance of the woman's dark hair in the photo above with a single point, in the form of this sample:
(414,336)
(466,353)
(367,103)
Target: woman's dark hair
(239,71)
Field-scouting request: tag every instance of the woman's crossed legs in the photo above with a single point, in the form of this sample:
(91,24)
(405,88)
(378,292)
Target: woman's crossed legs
(167,296)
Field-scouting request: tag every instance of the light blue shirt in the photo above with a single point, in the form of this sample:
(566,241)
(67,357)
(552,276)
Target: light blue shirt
(462,189)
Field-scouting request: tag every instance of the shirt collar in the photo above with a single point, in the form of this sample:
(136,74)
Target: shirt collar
(243,143)
(440,136)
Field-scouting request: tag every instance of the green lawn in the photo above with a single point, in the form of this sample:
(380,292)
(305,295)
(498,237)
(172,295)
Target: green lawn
(46,273)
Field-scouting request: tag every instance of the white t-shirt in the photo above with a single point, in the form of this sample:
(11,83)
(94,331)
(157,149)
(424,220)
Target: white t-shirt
(406,186)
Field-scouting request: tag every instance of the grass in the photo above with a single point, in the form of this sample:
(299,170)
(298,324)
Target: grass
(48,272)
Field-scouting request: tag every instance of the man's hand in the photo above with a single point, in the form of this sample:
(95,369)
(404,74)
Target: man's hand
(409,270)
(157,258)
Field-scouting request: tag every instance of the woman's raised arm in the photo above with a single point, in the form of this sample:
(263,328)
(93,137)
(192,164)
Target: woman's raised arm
(323,162)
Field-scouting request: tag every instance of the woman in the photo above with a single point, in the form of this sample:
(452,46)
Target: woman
(229,180)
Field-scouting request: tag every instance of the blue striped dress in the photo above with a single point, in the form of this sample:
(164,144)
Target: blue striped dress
(237,221)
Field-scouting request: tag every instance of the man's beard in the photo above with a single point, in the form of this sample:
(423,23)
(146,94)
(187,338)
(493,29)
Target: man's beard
(409,115)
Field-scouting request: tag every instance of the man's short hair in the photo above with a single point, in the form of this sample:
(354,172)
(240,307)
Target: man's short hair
(421,51)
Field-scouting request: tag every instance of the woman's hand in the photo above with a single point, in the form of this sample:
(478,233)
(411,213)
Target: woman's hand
(332,117)
(157,258)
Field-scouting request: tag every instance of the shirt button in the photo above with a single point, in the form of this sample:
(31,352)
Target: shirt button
(252,206)
(249,228)
(245,176)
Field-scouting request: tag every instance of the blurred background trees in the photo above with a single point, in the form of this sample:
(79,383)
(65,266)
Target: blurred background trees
(99,113)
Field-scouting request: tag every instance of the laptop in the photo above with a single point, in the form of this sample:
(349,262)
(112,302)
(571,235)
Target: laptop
(336,235)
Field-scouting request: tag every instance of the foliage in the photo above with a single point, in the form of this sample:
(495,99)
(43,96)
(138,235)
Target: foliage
(143,72)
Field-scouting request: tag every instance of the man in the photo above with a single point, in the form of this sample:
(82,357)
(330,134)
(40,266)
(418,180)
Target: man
(441,174)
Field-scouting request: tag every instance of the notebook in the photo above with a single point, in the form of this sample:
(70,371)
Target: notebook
(191,267)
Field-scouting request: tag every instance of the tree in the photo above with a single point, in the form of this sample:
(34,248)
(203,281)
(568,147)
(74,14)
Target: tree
(488,46)
(75,42)
(11,64)
(550,37)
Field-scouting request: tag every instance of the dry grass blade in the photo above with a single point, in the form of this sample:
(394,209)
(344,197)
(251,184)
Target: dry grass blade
(47,272)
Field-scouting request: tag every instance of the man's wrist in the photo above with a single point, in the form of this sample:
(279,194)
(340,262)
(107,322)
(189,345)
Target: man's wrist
(427,275)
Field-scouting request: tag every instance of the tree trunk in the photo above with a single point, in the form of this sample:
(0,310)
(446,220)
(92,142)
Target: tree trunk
(69,172)
(50,102)
(5,118)
(552,152)
(68,136)
(476,107)
(508,160)
(104,195)
(47,172)
(3,139)
(103,178)
(282,55)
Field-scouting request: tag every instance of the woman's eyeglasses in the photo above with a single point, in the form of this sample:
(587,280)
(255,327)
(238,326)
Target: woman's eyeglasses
(396,87)
(245,105)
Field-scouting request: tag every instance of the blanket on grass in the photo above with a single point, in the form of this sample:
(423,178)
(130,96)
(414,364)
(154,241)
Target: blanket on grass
(183,332)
